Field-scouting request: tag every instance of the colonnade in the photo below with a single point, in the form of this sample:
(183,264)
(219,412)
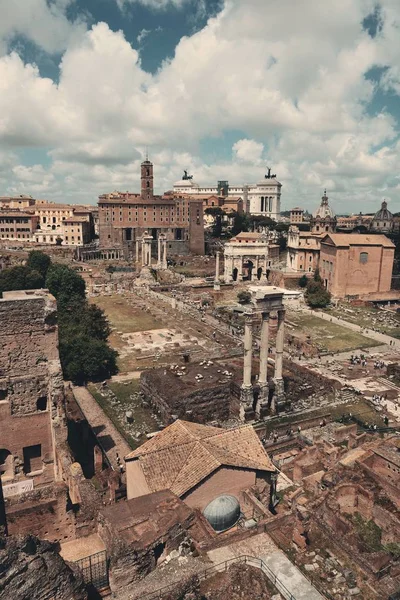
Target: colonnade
(249,410)
(100,254)
(145,245)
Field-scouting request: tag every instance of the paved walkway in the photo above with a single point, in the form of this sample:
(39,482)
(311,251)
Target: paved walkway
(374,335)
(108,436)
(263,547)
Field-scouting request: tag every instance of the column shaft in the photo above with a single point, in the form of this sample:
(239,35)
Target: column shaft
(279,344)
(262,378)
(248,351)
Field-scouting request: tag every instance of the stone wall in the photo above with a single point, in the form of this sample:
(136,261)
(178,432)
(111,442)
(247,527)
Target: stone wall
(201,406)
(33,570)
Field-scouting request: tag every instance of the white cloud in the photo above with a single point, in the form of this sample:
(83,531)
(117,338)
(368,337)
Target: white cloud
(248,151)
(44,23)
(291,81)
(142,35)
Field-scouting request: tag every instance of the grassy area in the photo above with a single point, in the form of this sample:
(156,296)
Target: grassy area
(124,317)
(328,337)
(368,316)
(126,399)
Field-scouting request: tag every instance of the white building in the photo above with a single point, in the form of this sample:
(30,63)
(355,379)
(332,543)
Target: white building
(262,198)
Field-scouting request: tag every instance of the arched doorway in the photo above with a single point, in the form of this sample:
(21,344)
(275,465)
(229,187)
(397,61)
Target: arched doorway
(235,274)
(259,273)
(6,464)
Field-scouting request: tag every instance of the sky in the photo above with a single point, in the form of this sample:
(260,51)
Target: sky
(221,88)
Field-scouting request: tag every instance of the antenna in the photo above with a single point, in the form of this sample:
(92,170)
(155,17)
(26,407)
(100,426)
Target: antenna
(147,153)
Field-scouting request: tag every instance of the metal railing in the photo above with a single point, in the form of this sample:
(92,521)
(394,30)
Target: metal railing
(94,569)
(220,568)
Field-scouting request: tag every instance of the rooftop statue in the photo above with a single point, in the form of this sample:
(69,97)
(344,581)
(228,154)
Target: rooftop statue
(268,175)
(186,177)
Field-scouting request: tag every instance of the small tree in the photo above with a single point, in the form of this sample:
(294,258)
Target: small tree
(303,281)
(244,297)
(316,295)
(240,222)
(38,261)
(317,276)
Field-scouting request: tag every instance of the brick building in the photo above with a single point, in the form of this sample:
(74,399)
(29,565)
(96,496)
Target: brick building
(125,216)
(356,264)
(17,225)
(31,386)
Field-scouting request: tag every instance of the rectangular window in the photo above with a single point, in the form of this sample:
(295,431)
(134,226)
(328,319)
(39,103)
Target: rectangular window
(32,458)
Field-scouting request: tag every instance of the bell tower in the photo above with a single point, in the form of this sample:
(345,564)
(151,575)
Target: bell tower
(146,177)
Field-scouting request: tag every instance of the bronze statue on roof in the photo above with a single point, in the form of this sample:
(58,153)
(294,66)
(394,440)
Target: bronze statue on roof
(268,174)
(186,177)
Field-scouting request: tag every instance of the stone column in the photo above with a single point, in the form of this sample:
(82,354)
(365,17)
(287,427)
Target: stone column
(246,392)
(254,274)
(159,252)
(278,379)
(143,252)
(217,286)
(262,402)
(228,269)
(239,263)
(164,264)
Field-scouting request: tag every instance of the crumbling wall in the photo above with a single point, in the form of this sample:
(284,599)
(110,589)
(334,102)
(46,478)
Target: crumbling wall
(200,406)
(31,569)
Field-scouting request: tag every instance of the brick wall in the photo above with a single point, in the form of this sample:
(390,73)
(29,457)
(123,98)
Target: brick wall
(226,480)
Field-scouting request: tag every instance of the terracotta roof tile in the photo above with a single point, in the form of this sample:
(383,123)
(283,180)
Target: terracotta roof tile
(183,454)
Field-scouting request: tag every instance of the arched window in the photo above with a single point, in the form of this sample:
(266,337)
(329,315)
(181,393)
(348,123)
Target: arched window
(363,257)
(148,172)
(148,183)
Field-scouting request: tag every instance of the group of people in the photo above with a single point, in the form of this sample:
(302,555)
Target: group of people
(379,364)
(358,360)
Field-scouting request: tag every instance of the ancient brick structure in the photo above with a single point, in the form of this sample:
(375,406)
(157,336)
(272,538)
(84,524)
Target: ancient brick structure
(185,397)
(31,389)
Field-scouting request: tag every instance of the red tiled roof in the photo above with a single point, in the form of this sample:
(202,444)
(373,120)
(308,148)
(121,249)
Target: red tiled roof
(183,454)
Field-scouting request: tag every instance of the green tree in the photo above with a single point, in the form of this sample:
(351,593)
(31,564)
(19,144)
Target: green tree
(316,295)
(217,213)
(317,276)
(240,222)
(303,281)
(87,359)
(20,278)
(38,261)
(64,283)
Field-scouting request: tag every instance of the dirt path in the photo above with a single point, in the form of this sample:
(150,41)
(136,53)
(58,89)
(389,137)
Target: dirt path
(108,436)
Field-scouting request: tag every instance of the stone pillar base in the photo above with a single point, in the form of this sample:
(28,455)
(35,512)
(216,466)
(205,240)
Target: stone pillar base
(264,410)
(247,413)
(262,399)
(279,389)
(246,403)
(217,286)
